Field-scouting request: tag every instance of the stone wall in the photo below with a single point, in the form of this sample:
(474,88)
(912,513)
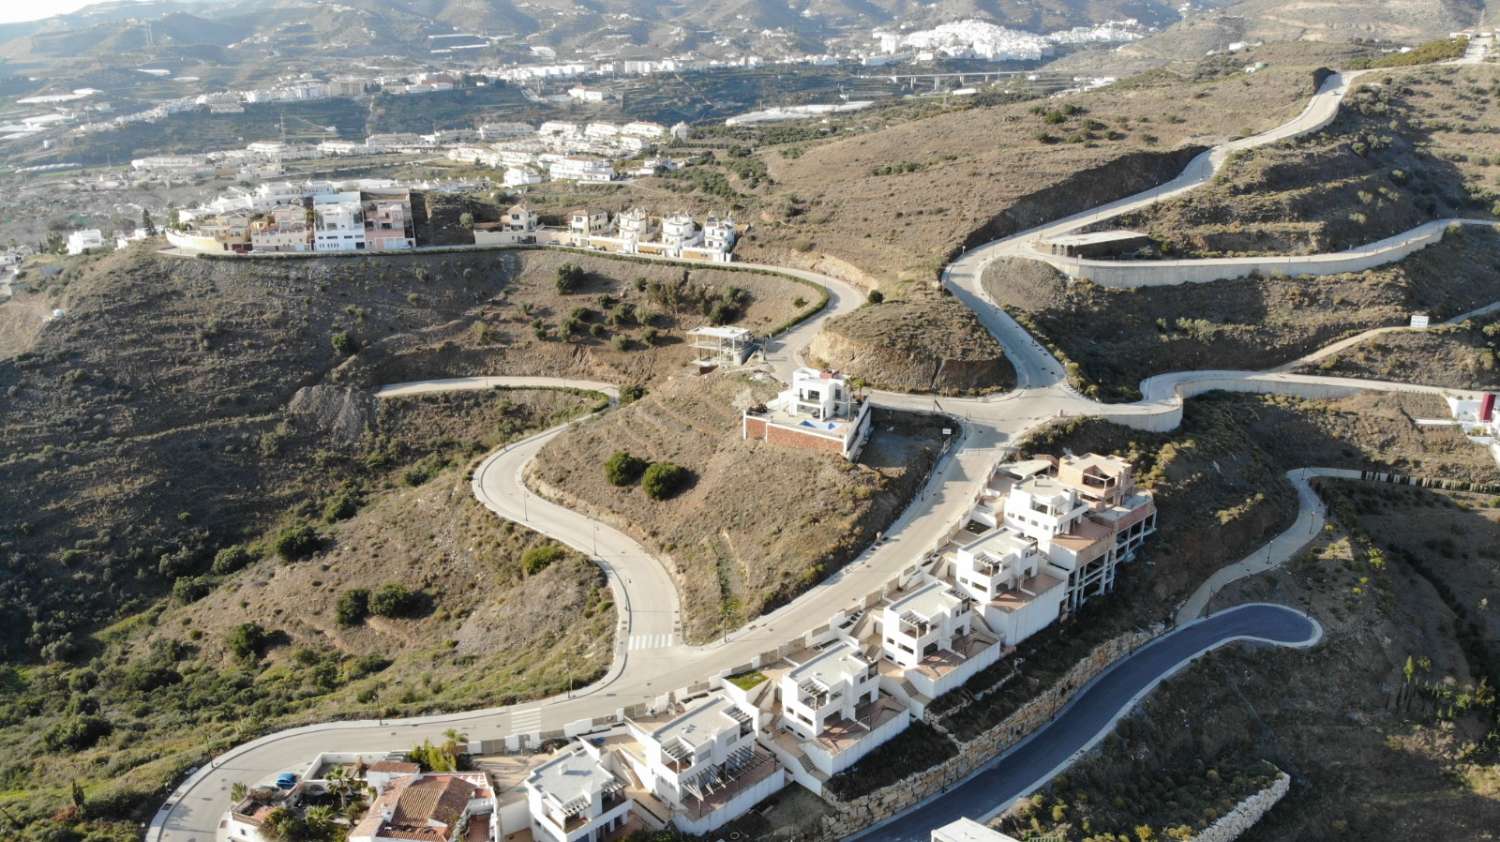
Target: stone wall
(849,817)
(1246,813)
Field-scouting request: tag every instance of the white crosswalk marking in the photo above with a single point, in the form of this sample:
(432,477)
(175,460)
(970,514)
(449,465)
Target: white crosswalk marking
(650,641)
(526,721)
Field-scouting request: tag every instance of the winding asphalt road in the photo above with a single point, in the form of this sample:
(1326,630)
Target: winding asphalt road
(650,658)
(1091,715)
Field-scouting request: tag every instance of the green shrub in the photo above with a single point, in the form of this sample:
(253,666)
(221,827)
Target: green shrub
(569,278)
(875,297)
(246,640)
(232,558)
(622,469)
(342,505)
(353,607)
(76,733)
(295,543)
(664,480)
(344,344)
(394,599)
(191,588)
(539,558)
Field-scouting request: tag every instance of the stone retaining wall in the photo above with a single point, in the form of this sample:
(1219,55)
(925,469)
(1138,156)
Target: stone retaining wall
(849,817)
(1246,813)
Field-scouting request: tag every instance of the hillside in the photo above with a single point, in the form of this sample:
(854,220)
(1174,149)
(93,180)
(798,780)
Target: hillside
(1409,146)
(1457,356)
(1116,338)
(926,345)
(624,323)
(733,556)
(255,640)
(1370,751)
(890,205)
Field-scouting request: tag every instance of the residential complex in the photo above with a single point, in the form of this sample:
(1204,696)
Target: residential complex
(633,231)
(1043,537)
(314,218)
(820,411)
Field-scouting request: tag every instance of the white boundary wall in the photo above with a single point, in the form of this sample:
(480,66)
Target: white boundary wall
(1134,274)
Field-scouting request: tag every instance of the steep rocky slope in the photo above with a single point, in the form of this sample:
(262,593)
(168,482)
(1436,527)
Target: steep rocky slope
(932,344)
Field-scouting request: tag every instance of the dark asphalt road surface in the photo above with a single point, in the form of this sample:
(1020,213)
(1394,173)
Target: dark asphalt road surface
(1091,712)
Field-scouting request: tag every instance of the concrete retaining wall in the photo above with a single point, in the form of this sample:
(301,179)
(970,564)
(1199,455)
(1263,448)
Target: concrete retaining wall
(1134,274)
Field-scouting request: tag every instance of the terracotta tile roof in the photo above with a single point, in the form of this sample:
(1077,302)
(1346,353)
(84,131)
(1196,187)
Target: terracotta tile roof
(394,766)
(440,798)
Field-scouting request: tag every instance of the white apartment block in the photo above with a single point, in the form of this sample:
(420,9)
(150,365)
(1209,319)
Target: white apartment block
(832,702)
(640,128)
(923,622)
(338,222)
(932,633)
(581,169)
(818,412)
(704,762)
(1007,576)
(170,163)
(504,131)
(85,239)
(1084,515)
(576,797)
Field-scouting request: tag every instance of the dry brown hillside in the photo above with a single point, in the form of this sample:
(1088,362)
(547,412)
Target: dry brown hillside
(1408,146)
(629,319)
(1458,356)
(931,344)
(1119,337)
(759,523)
(890,206)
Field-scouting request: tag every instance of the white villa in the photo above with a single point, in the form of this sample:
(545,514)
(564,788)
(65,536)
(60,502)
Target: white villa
(576,797)
(819,412)
(705,763)
(833,703)
(81,241)
(726,344)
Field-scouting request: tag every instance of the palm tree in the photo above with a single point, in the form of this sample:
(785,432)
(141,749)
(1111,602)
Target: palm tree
(340,783)
(319,821)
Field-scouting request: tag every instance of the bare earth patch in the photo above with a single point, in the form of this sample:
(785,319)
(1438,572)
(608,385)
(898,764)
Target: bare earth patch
(759,523)
(930,343)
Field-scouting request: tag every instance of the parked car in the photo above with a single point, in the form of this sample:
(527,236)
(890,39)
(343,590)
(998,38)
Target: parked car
(286,780)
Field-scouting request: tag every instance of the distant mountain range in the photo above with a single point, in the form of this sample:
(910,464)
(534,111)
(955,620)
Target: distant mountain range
(244,31)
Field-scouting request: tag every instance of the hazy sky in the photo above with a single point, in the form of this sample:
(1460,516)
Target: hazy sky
(15,10)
